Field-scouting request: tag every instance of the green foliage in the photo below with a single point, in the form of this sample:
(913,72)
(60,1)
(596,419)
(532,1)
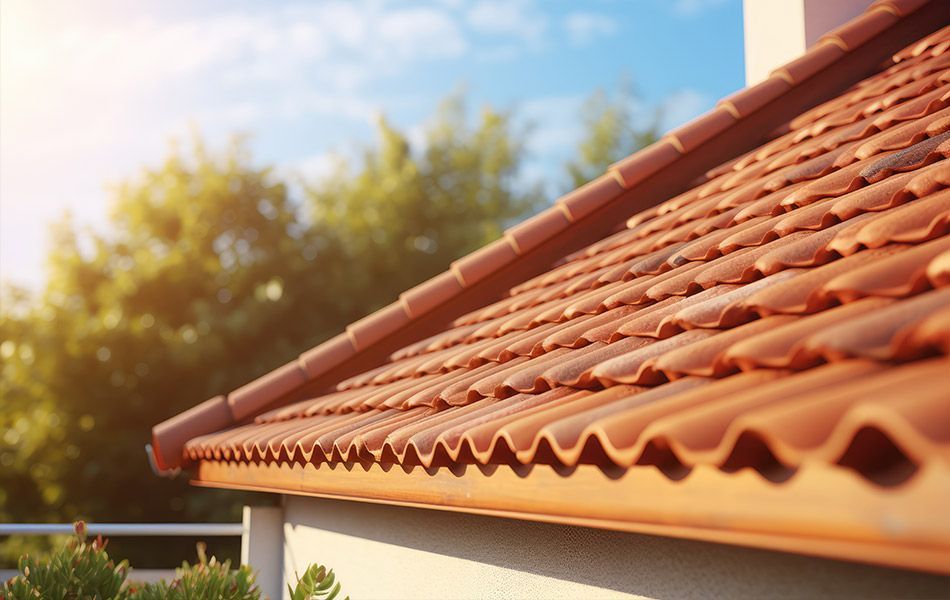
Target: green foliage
(183,299)
(401,214)
(210,274)
(79,569)
(316,584)
(82,569)
(207,579)
(612,133)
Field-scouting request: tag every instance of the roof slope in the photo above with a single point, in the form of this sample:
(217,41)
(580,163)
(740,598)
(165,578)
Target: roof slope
(760,359)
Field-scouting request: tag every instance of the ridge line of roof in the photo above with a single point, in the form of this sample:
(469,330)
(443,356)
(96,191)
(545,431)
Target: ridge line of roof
(621,178)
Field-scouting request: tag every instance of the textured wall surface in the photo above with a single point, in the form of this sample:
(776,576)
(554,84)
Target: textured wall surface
(778,31)
(393,552)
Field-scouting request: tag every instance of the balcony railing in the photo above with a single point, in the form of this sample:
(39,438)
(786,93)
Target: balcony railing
(126,530)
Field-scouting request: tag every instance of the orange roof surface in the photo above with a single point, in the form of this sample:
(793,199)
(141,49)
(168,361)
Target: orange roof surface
(751,353)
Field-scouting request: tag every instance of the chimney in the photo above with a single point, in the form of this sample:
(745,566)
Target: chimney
(777,31)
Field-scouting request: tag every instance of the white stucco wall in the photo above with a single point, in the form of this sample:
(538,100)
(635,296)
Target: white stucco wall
(778,31)
(394,552)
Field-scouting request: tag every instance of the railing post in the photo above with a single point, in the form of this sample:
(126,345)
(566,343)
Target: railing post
(262,547)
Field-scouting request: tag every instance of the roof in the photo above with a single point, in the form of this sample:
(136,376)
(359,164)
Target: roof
(750,351)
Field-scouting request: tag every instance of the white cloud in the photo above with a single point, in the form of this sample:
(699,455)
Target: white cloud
(582,28)
(313,167)
(416,136)
(420,33)
(339,45)
(556,127)
(519,19)
(92,93)
(682,106)
(343,105)
(556,131)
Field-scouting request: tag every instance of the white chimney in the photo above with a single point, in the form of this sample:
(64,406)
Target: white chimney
(777,31)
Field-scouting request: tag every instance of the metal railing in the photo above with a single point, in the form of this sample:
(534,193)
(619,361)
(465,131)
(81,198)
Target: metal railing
(127,529)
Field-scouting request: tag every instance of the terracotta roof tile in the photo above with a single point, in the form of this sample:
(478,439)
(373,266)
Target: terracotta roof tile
(591,196)
(637,167)
(708,247)
(780,348)
(576,371)
(426,296)
(706,358)
(810,249)
(919,221)
(748,100)
(481,263)
(901,411)
(898,275)
(688,137)
(741,266)
(639,366)
(875,335)
(571,334)
(936,38)
(531,233)
(786,315)
(750,439)
(729,309)
(862,29)
(369,330)
(804,293)
(813,61)
(251,398)
(902,8)
(655,320)
(211,415)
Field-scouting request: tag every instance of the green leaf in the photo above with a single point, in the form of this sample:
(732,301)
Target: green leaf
(317,583)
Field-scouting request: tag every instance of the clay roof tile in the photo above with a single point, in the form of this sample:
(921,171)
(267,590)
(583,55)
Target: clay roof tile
(754,307)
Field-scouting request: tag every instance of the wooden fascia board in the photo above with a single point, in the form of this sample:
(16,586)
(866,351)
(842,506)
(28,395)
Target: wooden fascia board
(823,511)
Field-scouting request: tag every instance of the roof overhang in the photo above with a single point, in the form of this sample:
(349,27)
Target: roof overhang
(822,510)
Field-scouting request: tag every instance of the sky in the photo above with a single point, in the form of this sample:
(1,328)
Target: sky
(90,92)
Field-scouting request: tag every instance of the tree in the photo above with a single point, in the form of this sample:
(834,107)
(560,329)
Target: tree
(401,214)
(612,133)
(207,277)
(186,297)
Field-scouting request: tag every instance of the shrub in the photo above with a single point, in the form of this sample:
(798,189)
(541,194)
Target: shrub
(77,570)
(207,579)
(82,569)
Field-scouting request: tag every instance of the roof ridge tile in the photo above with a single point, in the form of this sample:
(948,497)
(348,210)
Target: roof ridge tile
(478,265)
(590,196)
(750,99)
(693,134)
(333,352)
(645,162)
(862,28)
(815,59)
(377,325)
(534,231)
(431,293)
(902,8)
(251,397)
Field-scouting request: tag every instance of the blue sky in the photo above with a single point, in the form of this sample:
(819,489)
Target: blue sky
(92,91)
